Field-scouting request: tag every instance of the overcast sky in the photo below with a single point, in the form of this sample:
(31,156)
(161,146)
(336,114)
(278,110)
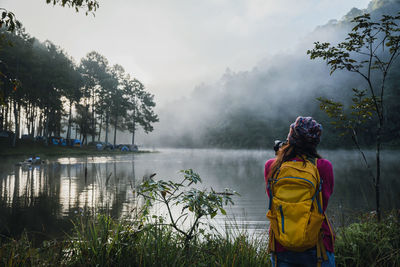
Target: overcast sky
(173,45)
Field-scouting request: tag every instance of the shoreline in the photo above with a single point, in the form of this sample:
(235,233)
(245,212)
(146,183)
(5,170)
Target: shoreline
(28,150)
(41,150)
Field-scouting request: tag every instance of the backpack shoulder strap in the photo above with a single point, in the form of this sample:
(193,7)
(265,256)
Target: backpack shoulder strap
(318,193)
(312,160)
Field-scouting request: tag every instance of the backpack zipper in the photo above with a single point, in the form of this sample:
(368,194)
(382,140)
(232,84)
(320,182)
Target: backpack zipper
(282,218)
(276,180)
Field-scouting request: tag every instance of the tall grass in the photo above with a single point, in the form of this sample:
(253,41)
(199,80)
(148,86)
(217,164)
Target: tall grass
(369,243)
(110,243)
(106,242)
(99,242)
(102,241)
(22,252)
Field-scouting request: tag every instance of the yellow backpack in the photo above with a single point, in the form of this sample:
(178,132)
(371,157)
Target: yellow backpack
(295,207)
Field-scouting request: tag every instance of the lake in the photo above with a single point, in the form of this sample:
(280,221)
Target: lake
(44,199)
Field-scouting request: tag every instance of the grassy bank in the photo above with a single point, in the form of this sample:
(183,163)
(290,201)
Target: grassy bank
(27,150)
(369,243)
(106,242)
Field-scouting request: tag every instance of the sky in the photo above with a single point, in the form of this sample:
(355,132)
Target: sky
(174,45)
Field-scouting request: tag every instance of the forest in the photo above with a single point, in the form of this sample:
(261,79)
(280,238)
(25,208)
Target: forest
(44,92)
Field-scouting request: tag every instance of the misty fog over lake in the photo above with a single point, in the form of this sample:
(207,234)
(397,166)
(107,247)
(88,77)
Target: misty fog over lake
(45,198)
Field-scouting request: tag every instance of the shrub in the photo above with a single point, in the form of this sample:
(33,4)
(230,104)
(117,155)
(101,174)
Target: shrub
(369,243)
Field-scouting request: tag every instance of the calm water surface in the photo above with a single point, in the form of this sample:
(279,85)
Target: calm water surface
(45,198)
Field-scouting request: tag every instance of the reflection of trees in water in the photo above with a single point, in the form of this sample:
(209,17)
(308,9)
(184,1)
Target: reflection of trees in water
(33,204)
(45,199)
(354,190)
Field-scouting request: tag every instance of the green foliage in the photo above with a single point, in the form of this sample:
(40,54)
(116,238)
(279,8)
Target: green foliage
(106,242)
(140,106)
(114,97)
(40,85)
(349,121)
(83,121)
(22,252)
(195,203)
(103,241)
(100,242)
(89,5)
(369,243)
(370,46)
(8,20)
(237,250)
(363,40)
(39,82)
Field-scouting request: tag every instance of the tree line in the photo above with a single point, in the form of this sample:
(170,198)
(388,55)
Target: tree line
(45,92)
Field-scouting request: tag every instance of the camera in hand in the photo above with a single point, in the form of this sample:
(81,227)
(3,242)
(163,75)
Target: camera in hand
(278,144)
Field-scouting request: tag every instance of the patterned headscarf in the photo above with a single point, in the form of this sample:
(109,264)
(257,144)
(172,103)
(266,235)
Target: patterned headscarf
(304,131)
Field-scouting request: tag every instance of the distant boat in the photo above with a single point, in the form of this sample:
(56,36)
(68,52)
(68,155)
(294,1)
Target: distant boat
(31,161)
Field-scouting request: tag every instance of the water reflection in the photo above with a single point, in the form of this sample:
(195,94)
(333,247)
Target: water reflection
(354,191)
(45,198)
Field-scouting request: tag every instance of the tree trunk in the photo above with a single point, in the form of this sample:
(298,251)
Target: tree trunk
(69,120)
(107,122)
(1,118)
(32,132)
(58,123)
(28,118)
(133,131)
(133,123)
(115,129)
(86,126)
(40,127)
(378,171)
(18,126)
(16,123)
(9,117)
(6,118)
(84,139)
(46,127)
(101,125)
(93,120)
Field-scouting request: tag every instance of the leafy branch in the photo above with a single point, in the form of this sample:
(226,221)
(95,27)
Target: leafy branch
(195,203)
(10,22)
(351,122)
(90,5)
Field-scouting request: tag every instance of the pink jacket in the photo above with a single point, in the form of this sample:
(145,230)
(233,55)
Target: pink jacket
(326,173)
